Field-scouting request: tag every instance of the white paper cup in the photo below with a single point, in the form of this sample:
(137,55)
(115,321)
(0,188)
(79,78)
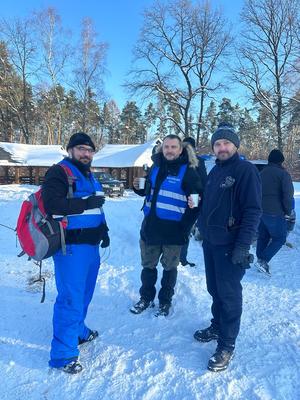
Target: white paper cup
(142,182)
(195,198)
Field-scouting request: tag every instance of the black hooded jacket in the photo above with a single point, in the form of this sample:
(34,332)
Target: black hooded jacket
(277,190)
(157,231)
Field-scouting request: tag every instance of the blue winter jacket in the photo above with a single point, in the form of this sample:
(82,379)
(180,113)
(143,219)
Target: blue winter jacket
(231,203)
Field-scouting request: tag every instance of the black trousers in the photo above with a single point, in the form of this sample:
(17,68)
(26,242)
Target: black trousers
(168,255)
(223,280)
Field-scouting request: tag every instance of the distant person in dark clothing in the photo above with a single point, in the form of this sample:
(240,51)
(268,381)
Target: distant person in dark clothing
(203,176)
(277,204)
(167,219)
(229,217)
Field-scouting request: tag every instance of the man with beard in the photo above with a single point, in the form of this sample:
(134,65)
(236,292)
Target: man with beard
(167,219)
(229,217)
(80,203)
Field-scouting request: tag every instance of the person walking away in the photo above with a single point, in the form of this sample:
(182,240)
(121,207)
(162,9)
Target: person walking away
(277,204)
(167,219)
(228,221)
(76,271)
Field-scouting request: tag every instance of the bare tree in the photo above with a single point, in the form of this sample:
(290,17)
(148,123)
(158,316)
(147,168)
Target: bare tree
(90,67)
(172,61)
(17,36)
(211,39)
(55,52)
(267,54)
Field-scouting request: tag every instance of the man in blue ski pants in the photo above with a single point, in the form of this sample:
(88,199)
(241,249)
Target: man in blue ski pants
(78,197)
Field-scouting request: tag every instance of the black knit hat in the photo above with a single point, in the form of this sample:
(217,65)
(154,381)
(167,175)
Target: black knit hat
(190,140)
(276,157)
(225,131)
(80,138)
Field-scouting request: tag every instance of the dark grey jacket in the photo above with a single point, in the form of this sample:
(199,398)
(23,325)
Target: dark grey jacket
(277,190)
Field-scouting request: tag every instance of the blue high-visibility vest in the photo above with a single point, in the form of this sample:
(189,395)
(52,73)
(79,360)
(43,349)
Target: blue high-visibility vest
(85,187)
(171,200)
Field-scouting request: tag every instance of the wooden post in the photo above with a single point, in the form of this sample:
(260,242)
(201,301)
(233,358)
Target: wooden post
(17,175)
(6,175)
(37,176)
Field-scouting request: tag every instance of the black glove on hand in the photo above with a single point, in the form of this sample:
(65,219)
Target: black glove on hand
(241,256)
(105,241)
(94,202)
(290,221)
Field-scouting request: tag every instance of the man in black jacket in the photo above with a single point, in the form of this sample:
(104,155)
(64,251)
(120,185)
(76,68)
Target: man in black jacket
(201,169)
(80,203)
(228,221)
(168,219)
(277,204)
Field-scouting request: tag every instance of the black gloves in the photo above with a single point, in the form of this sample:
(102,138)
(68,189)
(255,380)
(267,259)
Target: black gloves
(290,221)
(94,202)
(105,241)
(241,256)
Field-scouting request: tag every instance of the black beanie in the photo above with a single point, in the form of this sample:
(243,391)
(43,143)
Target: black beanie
(276,157)
(80,138)
(190,140)
(225,131)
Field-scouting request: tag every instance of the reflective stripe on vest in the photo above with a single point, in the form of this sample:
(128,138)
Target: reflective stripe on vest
(171,200)
(85,187)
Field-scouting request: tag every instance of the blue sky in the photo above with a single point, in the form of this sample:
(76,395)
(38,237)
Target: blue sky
(118,23)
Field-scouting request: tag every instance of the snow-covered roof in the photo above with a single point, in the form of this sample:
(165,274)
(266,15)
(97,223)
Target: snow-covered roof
(122,155)
(30,155)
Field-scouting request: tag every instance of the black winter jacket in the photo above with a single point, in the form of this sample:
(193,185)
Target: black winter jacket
(201,169)
(156,231)
(277,190)
(231,204)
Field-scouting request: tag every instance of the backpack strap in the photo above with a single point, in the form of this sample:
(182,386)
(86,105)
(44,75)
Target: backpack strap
(71,180)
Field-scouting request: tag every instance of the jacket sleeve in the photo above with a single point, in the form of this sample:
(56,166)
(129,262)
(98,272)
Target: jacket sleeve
(287,193)
(54,194)
(249,196)
(191,184)
(201,169)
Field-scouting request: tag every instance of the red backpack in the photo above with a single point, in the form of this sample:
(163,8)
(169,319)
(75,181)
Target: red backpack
(40,235)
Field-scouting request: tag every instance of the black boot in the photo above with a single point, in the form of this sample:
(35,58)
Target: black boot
(141,306)
(220,360)
(206,335)
(168,283)
(163,310)
(74,367)
(148,278)
(93,335)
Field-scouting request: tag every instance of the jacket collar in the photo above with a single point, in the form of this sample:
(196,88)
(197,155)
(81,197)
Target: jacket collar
(230,160)
(270,164)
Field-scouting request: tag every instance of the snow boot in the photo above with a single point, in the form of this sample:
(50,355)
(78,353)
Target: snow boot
(141,306)
(190,264)
(206,335)
(263,267)
(220,360)
(74,367)
(93,335)
(163,310)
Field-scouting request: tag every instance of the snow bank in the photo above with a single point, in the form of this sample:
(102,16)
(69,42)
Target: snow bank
(143,357)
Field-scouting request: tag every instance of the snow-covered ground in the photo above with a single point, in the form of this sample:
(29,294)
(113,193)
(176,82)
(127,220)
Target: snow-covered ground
(143,357)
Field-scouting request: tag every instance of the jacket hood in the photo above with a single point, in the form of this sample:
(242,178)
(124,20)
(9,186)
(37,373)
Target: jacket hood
(188,155)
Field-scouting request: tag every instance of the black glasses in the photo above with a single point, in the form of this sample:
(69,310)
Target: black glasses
(85,149)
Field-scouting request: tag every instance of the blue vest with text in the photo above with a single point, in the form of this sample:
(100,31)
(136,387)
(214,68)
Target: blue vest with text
(171,200)
(85,187)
